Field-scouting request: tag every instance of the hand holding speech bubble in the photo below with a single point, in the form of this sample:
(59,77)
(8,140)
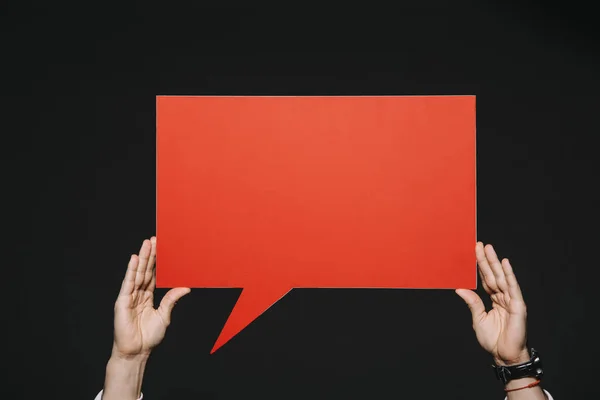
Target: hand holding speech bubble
(274,193)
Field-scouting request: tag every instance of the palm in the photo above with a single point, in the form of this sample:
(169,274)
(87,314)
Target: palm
(139,327)
(502,330)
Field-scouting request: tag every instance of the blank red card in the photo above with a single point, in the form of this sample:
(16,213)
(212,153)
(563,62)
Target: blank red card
(274,193)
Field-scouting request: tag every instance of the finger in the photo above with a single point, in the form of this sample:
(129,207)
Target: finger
(496,267)
(142,264)
(152,284)
(514,290)
(485,286)
(487,289)
(168,302)
(487,275)
(129,281)
(151,268)
(474,303)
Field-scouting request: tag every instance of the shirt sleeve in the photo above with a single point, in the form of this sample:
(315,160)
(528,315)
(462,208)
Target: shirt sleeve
(99,396)
(545,391)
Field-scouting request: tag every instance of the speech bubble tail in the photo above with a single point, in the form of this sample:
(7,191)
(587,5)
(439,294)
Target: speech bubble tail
(249,306)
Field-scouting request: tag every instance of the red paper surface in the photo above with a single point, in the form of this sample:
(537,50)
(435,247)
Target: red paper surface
(273,193)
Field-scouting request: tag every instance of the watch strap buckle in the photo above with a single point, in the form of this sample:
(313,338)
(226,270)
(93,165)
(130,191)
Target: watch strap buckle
(502,373)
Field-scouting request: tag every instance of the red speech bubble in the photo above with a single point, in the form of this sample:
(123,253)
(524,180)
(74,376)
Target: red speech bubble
(273,193)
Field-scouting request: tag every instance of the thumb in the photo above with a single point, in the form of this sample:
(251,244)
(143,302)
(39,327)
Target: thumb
(168,302)
(474,302)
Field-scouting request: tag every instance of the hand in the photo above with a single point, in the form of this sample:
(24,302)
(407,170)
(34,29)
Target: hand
(502,331)
(139,327)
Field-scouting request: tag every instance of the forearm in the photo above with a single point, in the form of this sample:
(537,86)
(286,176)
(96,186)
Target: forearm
(124,376)
(533,393)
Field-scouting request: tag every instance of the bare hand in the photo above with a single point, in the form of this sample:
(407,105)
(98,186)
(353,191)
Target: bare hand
(502,331)
(139,327)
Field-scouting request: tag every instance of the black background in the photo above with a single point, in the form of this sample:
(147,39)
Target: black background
(78,105)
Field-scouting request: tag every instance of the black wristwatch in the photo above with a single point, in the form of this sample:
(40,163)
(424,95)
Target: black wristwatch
(531,368)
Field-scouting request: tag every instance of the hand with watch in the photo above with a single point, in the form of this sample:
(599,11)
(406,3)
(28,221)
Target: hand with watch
(502,331)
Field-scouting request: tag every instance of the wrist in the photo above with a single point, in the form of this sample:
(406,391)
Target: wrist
(522,357)
(127,362)
(519,383)
(124,376)
(141,357)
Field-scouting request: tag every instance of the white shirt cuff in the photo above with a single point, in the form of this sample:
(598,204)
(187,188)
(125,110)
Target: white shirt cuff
(547,395)
(99,396)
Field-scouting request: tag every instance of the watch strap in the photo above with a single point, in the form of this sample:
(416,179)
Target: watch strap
(532,368)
